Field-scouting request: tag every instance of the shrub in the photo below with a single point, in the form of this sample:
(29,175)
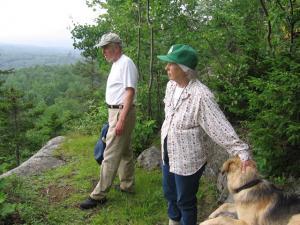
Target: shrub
(275,131)
(143,134)
(91,121)
(6,208)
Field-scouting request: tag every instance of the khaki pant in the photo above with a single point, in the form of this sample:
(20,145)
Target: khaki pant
(118,156)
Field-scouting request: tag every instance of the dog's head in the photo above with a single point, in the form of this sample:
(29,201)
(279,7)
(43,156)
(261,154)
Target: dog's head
(231,165)
(235,176)
(234,164)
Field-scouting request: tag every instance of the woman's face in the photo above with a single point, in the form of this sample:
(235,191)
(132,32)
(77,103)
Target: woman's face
(175,72)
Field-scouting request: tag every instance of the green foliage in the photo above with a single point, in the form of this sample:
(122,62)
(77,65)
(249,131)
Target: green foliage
(275,132)
(13,122)
(85,37)
(6,208)
(143,134)
(234,48)
(91,121)
(40,103)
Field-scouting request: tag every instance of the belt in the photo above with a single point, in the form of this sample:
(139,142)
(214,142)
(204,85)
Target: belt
(116,106)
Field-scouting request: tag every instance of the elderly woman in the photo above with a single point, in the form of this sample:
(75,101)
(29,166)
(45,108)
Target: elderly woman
(190,112)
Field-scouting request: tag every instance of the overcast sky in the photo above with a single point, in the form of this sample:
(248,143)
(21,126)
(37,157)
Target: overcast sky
(42,22)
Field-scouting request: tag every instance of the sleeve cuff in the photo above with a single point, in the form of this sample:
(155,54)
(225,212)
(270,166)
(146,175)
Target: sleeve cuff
(244,156)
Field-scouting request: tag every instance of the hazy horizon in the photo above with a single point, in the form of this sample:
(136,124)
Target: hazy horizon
(40,43)
(44,45)
(42,23)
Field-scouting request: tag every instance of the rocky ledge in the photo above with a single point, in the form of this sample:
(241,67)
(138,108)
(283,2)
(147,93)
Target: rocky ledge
(41,161)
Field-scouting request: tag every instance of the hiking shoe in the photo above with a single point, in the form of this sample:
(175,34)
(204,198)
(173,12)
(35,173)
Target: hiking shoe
(92,203)
(118,188)
(173,222)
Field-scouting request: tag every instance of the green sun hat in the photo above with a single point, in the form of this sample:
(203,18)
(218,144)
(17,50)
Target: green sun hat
(181,54)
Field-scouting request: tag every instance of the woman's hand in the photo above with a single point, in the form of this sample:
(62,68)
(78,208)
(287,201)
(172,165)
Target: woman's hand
(245,164)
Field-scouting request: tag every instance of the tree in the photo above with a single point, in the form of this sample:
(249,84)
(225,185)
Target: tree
(13,123)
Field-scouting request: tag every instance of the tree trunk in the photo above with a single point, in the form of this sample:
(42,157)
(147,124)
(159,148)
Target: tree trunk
(263,4)
(292,25)
(15,125)
(151,62)
(139,40)
(158,97)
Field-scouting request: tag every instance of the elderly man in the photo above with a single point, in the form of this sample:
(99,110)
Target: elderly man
(120,97)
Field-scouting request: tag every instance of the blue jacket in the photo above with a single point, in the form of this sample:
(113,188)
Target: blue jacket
(101,144)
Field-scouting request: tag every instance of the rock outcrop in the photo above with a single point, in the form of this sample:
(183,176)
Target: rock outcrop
(41,161)
(150,159)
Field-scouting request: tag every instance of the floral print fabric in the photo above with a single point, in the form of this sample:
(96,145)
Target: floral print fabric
(186,123)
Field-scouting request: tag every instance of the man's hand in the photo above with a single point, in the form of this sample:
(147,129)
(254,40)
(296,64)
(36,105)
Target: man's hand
(119,127)
(128,99)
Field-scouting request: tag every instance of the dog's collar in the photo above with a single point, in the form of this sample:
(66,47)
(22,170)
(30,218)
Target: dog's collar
(248,185)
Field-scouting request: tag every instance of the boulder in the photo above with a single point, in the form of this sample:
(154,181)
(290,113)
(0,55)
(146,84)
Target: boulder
(216,156)
(150,159)
(39,162)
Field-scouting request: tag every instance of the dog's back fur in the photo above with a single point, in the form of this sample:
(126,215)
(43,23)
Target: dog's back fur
(283,208)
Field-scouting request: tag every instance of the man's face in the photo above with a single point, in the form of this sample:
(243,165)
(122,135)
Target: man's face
(110,52)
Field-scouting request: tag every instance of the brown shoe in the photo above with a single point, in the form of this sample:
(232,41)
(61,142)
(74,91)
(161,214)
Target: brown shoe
(92,203)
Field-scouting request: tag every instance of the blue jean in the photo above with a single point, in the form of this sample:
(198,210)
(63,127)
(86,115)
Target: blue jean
(180,192)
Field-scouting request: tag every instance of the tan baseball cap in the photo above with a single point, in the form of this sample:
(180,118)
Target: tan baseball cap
(109,38)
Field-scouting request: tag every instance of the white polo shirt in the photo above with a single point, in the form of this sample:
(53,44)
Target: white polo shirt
(123,74)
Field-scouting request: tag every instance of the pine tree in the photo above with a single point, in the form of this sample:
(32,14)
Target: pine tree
(13,121)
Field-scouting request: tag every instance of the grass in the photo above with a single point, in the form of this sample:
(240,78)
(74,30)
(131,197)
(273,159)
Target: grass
(52,198)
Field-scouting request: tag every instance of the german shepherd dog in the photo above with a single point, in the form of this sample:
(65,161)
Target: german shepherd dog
(256,201)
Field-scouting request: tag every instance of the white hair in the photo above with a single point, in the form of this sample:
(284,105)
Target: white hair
(192,74)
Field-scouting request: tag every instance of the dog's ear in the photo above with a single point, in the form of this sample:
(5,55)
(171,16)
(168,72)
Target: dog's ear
(226,166)
(228,163)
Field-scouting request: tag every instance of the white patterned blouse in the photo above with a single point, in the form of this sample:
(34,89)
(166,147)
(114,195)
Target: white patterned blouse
(196,112)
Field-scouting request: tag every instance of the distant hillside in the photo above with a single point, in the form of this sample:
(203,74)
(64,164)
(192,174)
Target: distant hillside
(20,56)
